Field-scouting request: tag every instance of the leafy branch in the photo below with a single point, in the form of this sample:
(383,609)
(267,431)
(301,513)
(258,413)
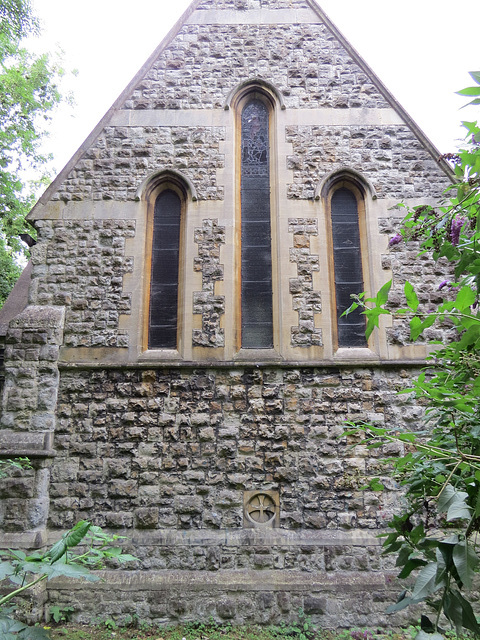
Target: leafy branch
(435,534)
(62,559)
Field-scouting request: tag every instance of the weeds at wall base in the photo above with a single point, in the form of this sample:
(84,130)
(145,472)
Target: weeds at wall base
(109,630)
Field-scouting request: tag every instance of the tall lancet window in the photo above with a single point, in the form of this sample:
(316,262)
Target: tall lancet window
(256,251)
(163,313)
(347,257)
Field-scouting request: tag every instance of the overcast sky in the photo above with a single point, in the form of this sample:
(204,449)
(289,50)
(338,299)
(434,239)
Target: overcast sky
(421,49)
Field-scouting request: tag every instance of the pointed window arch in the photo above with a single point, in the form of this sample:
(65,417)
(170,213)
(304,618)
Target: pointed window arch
(163,311)
(256,238)
(166,196)
(347,211)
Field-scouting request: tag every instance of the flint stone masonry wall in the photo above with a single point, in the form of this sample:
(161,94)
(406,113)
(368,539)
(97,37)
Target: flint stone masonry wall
(306,301)
(162,449)
(80,264)
(205,62)
(116,165)
(341,598)
(28,417)
(407,263)
(391,158)
(211,307)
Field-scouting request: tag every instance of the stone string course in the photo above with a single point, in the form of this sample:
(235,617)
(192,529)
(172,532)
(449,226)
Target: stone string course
(80,264)
(306,301)
(176,449)
(252,4)
(390,157)
(211,307)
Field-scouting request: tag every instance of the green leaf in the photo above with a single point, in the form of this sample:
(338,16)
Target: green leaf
(6,569)
(76,535)
(475,75)
(454,503)
(372,322)
(69,540)
(429,320)
(415,327)
(69,570)
(465,298)
(469,620)
(376,485)
(351,308)
(402,602)
(411,296)
(411,565)
(426,582)
(477,501)
(11,629)
(469,91)
(407,437)
(382,295)
(466,562)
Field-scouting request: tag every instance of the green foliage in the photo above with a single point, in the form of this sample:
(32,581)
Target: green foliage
(472,91)
(301,629)
(7,466)
(61,614)
(9,270)
(435,535)
(11,629)
(63,559)
(28,93)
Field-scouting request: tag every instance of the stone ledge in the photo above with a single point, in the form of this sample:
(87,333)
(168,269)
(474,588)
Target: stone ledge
(239,580)
(64,365)
(249,538)
(37,444)
(24,540)
(253,16)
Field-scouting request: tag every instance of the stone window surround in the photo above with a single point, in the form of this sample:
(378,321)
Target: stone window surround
(237,100)
(359,197)
(164,180)
(362,191)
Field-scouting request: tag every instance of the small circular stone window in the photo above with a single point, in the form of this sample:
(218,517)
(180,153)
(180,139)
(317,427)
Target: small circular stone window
(261,509)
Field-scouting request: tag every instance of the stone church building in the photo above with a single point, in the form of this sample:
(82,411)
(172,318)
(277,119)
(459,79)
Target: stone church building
(175,361)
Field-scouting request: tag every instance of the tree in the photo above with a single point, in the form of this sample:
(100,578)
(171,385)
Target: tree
(28,93)
(435,536)
(9,272)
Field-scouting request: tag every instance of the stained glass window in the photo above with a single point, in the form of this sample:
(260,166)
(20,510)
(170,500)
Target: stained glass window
(256,253)
(348,267)
(164,279)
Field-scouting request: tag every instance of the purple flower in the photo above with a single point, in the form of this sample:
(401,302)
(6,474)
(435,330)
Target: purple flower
(396,239)
(455,228)
(444,283)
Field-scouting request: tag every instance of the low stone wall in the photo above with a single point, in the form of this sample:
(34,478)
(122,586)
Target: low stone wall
(332,600)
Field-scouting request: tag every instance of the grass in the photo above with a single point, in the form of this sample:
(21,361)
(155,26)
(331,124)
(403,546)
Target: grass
(136,630)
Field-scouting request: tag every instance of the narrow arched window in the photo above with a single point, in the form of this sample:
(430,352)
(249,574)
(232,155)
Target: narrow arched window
(256,244)
(163,311)
(347,257)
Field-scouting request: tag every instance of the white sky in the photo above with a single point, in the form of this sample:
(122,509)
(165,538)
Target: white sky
(421,49)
